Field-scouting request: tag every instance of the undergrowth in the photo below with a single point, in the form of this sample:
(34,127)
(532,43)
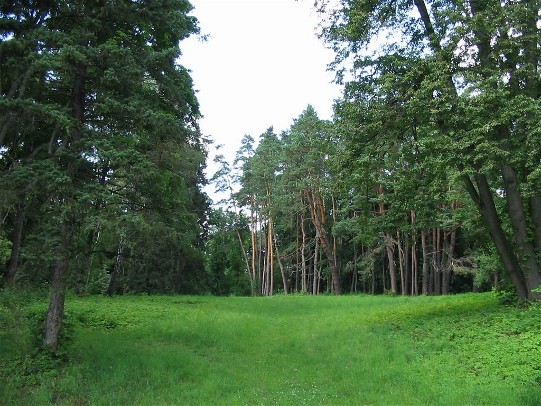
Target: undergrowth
(464,349)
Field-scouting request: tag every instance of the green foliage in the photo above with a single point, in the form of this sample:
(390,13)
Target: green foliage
(441,93)
(25,363)
(224,260)
(5,248)
(99,141)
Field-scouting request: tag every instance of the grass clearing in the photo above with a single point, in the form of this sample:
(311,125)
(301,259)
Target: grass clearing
(285,350)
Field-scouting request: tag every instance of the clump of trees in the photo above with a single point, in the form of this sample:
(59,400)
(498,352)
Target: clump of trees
(101,158)
(430,171)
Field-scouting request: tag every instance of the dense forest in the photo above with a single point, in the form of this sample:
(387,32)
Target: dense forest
(427,181)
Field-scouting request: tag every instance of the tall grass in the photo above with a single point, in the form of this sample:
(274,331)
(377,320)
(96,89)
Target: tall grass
(292,350)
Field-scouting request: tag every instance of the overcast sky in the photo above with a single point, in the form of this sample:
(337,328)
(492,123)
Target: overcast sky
(261,66)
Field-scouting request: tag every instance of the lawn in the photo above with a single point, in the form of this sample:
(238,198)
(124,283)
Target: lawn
(283,350)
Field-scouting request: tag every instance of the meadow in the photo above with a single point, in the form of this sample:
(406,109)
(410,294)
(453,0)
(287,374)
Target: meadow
(282,350)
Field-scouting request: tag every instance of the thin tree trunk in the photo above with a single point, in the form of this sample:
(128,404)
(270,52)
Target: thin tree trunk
(373,264)
(117,267)
(426,277)
(448,267)
(389,248)
(436,237)
(414,268)
(315,273)
(253,240)
(269,267)
(297,254)
(401,264)
(405,254)
(303,256)
(281,266)
(247,263)
(355,274)
(260,257)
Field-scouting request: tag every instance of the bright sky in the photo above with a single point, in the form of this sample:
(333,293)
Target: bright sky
(261,66)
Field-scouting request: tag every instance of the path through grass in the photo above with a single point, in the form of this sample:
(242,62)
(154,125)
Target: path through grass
(355,350)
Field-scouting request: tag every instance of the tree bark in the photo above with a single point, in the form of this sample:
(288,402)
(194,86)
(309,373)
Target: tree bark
(354,277)
(253,240)
(448,267)
(489,215)
(426,278)
(436,239)
(401,263)
(281,266)
(246,262)
(414,268)
(304,286)
(318,218)
(55,312)
(315,273)
(526,252)
(389,248)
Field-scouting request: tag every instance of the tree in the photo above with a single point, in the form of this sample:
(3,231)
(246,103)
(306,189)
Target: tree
(479,88)
(309,146)
(98,125)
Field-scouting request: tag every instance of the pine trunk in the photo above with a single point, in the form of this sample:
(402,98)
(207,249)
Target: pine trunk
(426,278)
(389,248)
(448,267)
(318,216)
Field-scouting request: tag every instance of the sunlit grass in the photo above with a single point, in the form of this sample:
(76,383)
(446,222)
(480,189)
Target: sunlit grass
(458,350)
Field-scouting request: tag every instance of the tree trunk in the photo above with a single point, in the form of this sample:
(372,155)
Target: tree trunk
(304,286)
(414,268)
(405,254)
(436,239)
(55,313)
(526,252)
(253,240)
(448,267)
(373,267)
(246,262)
(117,267)
(318,218)
(426,278)
(315,272)
(485,203)
(16,243)
(281,266)
(389,248)
(355,274)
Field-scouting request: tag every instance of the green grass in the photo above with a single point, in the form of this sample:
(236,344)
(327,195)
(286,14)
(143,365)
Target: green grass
(284,350)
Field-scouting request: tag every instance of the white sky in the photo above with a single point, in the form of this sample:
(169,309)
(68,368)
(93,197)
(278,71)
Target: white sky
(261,66)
